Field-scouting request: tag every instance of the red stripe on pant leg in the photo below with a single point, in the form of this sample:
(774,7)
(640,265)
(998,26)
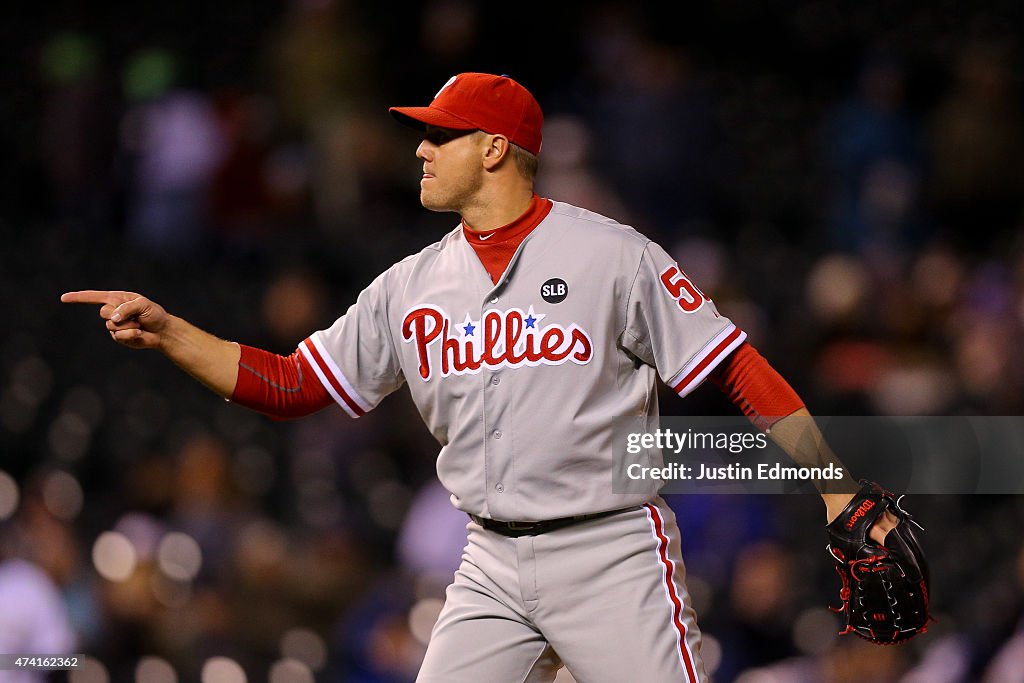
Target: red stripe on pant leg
(677,604)
(333,380)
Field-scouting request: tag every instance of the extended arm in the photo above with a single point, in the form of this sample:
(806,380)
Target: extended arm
(139,323)
(282,387)
(771,404)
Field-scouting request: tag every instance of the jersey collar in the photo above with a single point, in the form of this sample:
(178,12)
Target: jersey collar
(535,213)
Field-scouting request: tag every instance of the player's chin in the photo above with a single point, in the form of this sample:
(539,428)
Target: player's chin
(432,202)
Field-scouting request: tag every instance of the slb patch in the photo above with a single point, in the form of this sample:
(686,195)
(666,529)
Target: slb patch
(554,290)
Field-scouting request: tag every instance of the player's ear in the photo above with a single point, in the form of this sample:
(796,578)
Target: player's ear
(496,148)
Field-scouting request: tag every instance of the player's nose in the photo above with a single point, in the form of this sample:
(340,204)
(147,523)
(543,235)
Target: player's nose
(425,150)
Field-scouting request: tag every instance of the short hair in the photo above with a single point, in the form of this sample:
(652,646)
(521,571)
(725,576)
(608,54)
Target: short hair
(526,163)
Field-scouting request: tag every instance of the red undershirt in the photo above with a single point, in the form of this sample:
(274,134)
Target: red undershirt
(495,248)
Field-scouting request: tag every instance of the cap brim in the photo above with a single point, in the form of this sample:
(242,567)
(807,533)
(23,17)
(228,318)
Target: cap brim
(421,117)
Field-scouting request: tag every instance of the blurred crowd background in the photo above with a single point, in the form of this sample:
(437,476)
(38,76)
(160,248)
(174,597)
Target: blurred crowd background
(844,178)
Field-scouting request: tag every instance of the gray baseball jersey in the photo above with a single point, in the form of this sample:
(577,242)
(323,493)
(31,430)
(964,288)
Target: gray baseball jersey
(520,381)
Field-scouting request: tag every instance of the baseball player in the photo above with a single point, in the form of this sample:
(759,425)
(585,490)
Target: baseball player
(522,333)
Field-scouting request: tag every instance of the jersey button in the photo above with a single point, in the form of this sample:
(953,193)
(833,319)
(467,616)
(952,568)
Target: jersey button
(494,299)
(499,487)
(495,380)
(497,434)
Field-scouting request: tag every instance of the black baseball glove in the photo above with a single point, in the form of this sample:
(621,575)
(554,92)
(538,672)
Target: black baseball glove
(885,588)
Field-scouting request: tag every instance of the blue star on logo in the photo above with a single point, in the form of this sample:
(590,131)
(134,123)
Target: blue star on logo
(468,329)
(532,319)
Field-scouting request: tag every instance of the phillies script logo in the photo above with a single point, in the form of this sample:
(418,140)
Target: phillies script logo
(859,512)
(502,339)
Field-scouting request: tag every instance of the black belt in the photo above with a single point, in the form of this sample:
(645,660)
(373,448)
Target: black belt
(516,529)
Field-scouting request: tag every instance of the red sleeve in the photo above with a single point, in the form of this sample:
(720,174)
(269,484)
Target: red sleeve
(755,387)
(278,386)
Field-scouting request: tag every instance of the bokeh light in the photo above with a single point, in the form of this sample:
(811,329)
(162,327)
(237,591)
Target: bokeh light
(179,556)
(114,556)
(222,670)
(836,286)
(63,495)
(89,670)
(290,671)
(155,670)
(306,646)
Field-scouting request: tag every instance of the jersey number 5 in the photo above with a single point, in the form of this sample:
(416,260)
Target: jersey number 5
(680,288)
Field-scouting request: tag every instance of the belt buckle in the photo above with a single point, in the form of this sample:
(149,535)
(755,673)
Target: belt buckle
(516,526)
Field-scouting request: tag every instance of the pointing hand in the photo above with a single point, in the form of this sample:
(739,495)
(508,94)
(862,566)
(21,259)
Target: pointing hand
(132,319)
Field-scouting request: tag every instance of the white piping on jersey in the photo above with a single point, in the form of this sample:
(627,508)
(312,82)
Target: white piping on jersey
(701,365)
(336,372)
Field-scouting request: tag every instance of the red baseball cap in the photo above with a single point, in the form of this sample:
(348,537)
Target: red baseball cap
(472,101)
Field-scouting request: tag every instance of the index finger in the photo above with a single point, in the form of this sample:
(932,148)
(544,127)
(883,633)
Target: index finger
(96,296)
